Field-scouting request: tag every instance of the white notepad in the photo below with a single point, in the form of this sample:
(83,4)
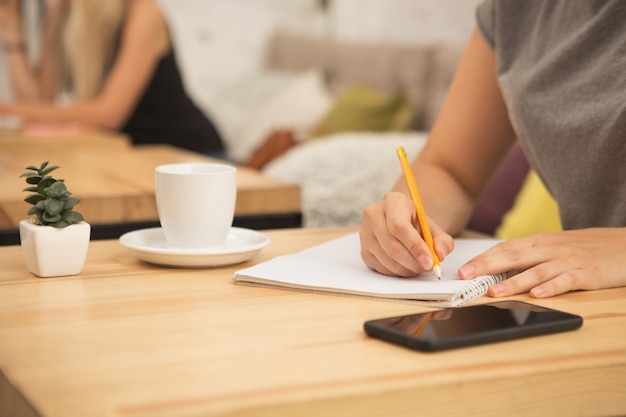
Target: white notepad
(336,267)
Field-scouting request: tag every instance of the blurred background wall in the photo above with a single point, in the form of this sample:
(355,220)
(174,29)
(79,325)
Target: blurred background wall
(219,41)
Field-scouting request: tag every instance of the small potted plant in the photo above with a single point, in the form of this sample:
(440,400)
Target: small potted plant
(55,241)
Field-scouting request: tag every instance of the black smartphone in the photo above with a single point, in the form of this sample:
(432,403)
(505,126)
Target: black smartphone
(472,325)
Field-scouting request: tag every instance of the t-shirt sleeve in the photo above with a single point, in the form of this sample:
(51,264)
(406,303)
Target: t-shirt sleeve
(485,19)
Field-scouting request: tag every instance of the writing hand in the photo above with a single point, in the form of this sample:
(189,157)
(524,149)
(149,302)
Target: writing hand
(555,263)
(390,239)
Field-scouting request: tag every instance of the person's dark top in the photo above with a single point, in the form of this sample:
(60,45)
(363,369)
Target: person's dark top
(166,114)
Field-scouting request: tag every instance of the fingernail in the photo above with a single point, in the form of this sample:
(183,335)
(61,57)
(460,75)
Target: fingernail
(425,262)
(497,289)
(467,271)
(538,292)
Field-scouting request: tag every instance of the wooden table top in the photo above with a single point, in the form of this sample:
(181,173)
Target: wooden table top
(115,181)
(125,338)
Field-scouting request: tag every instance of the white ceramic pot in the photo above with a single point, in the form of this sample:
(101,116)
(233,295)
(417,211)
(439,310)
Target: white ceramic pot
(54,252)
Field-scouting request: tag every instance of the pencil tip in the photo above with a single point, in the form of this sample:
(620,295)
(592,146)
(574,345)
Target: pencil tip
(437,271)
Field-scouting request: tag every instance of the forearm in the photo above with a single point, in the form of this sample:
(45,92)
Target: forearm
(445,201)
(23,79)
(90,113)
(469,138)
(467,141)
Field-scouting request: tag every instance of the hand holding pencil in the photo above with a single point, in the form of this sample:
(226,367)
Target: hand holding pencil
(419,208)
(392,243)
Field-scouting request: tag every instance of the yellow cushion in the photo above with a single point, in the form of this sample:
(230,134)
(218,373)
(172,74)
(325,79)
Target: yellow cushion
(533,211)
(362,108)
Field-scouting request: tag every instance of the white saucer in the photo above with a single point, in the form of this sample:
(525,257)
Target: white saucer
(149,245)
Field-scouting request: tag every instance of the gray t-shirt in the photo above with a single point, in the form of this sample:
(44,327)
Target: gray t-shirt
(561,66)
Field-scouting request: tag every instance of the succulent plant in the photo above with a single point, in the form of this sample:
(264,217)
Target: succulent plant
(52,202)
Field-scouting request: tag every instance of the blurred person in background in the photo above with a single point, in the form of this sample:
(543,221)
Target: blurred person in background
(115,61)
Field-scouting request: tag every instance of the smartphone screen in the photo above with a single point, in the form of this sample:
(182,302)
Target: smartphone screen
(472,325)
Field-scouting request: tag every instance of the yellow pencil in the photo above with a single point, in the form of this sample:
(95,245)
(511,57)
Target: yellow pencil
(419,209)
(420,329)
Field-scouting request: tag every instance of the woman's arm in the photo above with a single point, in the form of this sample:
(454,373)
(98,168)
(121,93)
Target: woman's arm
(145,40)
(468,141)
(23,77)
(470,137)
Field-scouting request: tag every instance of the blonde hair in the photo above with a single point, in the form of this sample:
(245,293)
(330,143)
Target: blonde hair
(86,40)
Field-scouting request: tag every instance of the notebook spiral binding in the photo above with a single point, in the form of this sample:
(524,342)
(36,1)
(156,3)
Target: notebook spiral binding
(478,287)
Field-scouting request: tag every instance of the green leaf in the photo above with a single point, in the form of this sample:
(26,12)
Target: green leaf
(57,190)
(32,168)
(31,189)
(70,202)
(73,217)
(45,172)
(53,206)
(45,183)
(35,179)
(34,198)
(34,210)
(60,224)
(59,187)
(48,218)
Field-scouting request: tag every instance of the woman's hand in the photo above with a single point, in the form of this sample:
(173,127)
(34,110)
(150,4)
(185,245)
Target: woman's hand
(391,242)
(555,263)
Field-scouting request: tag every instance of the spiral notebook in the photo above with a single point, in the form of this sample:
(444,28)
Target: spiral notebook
(335,267)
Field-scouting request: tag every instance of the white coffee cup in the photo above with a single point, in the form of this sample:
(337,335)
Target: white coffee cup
(196,203)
